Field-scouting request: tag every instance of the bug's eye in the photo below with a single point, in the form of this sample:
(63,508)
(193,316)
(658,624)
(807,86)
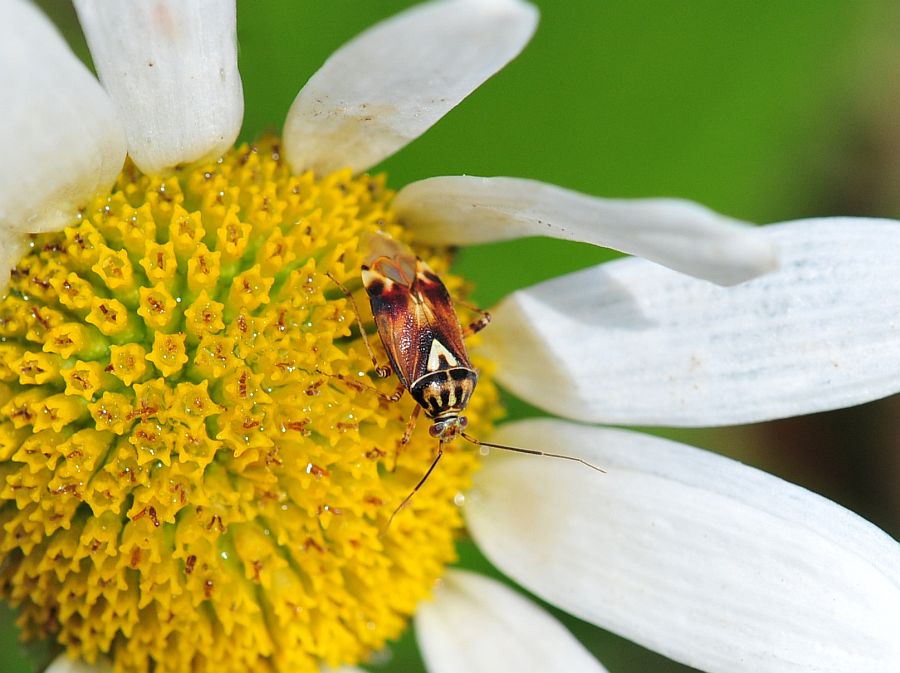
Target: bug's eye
(463,423)
(437,429)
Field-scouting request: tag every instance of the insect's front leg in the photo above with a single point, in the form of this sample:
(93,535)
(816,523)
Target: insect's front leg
(410,426)
(475,326)
(382,370)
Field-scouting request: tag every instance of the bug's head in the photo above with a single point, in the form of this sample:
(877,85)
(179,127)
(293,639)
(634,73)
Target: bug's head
(446,429)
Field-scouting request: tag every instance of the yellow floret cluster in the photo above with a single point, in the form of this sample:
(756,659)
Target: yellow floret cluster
(197,463)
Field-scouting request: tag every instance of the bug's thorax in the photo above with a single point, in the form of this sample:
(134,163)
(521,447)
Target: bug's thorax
(444,393)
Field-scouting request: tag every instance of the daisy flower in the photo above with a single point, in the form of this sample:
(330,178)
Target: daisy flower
(198,464)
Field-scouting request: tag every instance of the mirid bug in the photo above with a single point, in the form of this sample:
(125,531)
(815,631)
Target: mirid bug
(425,345)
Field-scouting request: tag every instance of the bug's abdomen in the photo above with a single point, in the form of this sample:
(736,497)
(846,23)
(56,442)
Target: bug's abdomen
(446,392)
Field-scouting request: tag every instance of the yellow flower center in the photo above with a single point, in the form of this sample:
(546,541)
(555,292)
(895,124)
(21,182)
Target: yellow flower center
(197,463)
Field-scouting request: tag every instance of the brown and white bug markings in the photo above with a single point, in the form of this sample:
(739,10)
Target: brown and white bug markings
(421,333)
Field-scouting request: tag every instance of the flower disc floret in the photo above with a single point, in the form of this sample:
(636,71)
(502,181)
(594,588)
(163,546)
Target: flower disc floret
(197,464)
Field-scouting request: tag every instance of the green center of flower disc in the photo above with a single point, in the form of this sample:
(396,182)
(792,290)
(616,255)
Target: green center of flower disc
(197,464)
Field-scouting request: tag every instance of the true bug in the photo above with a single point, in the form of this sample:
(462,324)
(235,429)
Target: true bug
(425,344)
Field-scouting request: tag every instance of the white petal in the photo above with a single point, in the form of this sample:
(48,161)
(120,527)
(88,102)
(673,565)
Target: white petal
(630,342)
(171,68)
(696,556)
(682,235)
(12,247)
(62,664)
(477,625)
(388,85)
(61,141)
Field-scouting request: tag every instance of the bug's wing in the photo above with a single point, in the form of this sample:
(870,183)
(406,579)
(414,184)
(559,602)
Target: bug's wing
(397,317)
(412,310)
(440,316)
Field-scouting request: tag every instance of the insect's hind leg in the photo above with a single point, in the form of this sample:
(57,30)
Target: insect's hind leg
(360,386)
(383,370)
(475,326)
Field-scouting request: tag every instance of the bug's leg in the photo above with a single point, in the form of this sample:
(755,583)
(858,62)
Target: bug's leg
(476,325)
(397,394)
(410,426)
(415,490)
(359,386)
(381,370)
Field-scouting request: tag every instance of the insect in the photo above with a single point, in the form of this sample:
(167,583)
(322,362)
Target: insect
(425,345)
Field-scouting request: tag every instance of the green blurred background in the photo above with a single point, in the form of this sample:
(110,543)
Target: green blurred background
(765,110)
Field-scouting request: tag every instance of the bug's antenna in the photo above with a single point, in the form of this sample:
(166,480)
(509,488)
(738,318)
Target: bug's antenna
(417,487)
(531,452)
